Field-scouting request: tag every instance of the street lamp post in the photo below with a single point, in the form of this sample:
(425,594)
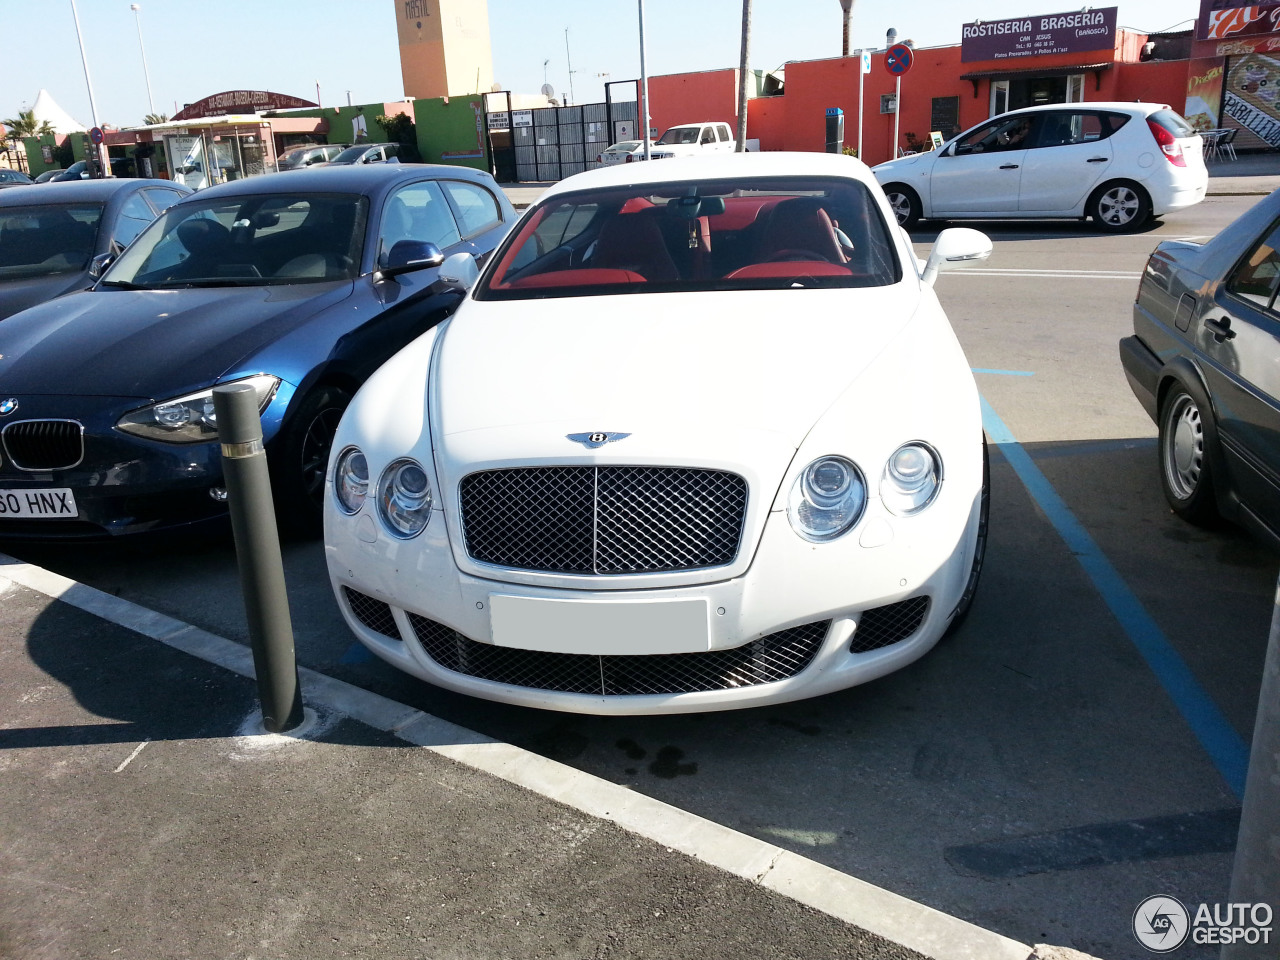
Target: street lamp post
(137,16)
(104,161)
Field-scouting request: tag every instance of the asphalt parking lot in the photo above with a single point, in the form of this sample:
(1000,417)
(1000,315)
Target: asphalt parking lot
(1076,747)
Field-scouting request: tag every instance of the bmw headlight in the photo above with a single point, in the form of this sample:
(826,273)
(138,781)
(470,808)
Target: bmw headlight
(404,498)
(190,419)
(827,499)
(351,480)
(911,479)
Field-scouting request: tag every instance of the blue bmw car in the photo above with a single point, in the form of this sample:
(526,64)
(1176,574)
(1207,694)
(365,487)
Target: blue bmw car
(300,286)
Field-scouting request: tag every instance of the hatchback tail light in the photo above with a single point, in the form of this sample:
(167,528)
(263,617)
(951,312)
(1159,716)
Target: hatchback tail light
(599,158)
(1168,143)
(629,158)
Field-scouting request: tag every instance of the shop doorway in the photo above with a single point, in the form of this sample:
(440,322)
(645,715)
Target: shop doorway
(1015,93)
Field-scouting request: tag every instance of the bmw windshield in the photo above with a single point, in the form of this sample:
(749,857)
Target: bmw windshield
(247,241)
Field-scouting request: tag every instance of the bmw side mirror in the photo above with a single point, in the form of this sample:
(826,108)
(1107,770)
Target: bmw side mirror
(98,265)
(410,255)
(955,247)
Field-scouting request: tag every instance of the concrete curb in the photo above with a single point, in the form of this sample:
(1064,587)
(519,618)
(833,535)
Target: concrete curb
(913,925)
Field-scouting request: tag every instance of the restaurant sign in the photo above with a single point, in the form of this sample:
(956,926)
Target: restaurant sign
(240,101)
(1075,32)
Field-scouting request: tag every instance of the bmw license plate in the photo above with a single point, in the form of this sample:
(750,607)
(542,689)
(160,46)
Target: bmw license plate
(53,503)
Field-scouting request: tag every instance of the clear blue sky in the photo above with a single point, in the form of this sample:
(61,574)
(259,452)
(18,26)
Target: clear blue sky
(194,49)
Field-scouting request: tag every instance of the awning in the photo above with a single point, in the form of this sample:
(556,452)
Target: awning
(1007,72)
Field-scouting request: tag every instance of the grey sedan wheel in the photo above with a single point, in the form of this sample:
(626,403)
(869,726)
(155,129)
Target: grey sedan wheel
(1118,207)
(1184,457)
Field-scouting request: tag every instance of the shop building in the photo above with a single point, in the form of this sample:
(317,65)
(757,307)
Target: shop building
(1073,57)
(1233,82)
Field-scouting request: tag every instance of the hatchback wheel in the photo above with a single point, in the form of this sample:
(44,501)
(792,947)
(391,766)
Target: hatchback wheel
(1118,207)
(904,203)
(1184,457)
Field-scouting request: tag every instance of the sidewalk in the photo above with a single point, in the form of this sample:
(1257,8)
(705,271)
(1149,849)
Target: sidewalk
(145,818)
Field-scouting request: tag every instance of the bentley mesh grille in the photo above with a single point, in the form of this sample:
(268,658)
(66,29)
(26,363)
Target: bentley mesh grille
(603,520)
(373,613)
(44,444)
(775,657)
(881,626)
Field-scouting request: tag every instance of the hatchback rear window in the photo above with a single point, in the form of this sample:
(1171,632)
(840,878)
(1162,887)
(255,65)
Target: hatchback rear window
(1173,123)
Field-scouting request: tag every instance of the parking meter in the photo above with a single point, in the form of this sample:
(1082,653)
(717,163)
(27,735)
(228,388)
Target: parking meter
(835,130)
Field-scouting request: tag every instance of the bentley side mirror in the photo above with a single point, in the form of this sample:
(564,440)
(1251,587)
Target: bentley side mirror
(955,247)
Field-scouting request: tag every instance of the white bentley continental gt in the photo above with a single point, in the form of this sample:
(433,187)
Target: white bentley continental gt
(700,437)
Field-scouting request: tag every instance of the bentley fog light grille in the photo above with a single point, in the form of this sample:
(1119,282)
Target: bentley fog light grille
(373,613)
(881,626)
(775,657)
(603,520)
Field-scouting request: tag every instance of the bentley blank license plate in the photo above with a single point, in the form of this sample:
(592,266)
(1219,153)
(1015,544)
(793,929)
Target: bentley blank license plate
(54,503)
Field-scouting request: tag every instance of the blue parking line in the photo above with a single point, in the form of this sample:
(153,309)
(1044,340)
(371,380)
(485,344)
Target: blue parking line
(1224,746)
(356,653)
(1004,373)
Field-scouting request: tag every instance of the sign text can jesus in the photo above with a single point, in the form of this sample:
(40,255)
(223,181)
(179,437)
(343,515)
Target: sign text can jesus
(1074,32)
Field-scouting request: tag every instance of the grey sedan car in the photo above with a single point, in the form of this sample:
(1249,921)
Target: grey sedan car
(1204,360)
(50,235)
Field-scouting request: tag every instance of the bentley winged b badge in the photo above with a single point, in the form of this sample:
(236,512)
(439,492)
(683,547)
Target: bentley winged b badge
(595,440)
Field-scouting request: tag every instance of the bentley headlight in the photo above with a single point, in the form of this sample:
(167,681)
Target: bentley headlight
(911,479)
(404,498)
(827,499)
(190,419)
(351,480)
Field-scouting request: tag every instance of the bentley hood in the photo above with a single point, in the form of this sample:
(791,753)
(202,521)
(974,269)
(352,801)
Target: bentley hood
(149,343)
(701,378)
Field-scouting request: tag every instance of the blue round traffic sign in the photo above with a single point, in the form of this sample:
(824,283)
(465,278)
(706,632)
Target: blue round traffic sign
(898,59)
(96,135)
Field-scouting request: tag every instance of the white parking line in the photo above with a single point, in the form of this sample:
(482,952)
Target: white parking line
(1047,274)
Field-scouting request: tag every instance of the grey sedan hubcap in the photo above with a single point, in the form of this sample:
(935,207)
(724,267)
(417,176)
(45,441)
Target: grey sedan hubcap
(900,205)
(1184,455)
(1118,206)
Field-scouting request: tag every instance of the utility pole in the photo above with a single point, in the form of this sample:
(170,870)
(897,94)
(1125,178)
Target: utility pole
(644,86)
(104,160)
(569,61)
(743,66)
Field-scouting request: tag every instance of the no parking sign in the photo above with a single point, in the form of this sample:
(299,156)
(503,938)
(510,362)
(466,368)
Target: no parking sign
(898,59)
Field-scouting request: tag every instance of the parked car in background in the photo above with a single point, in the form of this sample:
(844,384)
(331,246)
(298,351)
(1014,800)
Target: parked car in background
(299,286)
(308,154)
(693,140)
(13,178)
(623,152)
(80,170)
(50,236)
(1118,163)
(368,153)
(48,175)
(687,446)
(1204,361)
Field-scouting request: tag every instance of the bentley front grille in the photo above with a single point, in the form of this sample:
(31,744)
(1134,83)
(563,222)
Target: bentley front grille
(43,444)
(603,520)
(775,657)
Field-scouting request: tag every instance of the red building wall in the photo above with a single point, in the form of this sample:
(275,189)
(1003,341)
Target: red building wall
(693,97)
(797,119)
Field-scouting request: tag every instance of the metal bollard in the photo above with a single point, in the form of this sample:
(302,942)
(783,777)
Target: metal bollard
(253,523)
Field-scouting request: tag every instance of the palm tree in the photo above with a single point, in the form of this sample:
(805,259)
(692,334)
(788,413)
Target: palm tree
(26,125)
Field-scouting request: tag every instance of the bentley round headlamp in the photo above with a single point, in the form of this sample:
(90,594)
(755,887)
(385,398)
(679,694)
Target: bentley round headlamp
(404,498)
(826,499)
(351,480)
(911,479)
